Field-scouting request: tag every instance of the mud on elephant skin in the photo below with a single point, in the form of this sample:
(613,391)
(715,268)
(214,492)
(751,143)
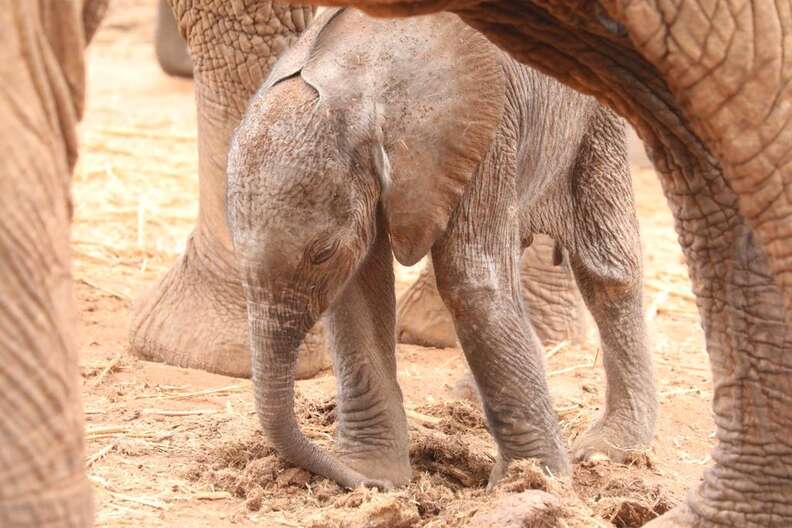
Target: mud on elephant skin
(352,150)
(195,315)
(706,87)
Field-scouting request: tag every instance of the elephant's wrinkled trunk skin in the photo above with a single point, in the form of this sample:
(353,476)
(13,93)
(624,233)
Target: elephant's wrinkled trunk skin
(275,335)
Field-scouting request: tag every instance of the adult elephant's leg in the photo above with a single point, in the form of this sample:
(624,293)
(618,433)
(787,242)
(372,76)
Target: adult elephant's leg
(549,290)
(729,71)
(750,349)
(42,470)
(172,52)
(422,318)
(737,103)
(195,316)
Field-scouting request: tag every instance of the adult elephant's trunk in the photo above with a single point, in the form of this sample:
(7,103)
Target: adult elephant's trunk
(275,336)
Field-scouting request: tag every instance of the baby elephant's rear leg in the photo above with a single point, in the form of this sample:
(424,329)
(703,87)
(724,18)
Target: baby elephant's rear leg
(504,354)
(607,267)
(606,262)
(627,425)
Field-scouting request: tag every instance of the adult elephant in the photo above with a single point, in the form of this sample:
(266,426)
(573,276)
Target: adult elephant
(171,49)
(195,316)
(707,86)
(42,86)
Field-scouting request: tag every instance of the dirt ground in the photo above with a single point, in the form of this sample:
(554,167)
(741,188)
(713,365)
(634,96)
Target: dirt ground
(175,447)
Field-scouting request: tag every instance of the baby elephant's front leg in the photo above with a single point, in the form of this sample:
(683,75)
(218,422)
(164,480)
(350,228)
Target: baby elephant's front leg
(505,356)
(372,427)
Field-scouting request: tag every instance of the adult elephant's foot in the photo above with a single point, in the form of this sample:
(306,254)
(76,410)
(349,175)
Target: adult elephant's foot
(195,317)
(742,502)
(619,436)
(171,49)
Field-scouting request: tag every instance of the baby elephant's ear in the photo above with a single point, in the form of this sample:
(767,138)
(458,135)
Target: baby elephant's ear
(439,91)
(439,126)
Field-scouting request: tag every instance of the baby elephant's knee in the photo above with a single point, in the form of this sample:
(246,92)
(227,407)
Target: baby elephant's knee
(467,299)
(618,279)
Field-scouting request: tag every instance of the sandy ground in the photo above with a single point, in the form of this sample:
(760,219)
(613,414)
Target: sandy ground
(175,447)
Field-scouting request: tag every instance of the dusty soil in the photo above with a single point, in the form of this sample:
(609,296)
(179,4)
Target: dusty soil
(175,447)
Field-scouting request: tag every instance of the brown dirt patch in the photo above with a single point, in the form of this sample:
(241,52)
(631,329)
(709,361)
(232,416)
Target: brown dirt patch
(448,485)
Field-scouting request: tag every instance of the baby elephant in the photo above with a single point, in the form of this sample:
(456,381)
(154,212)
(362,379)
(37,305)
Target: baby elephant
(374,138)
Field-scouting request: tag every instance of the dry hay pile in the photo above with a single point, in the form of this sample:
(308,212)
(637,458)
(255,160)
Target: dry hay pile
(619,496)
(451,454)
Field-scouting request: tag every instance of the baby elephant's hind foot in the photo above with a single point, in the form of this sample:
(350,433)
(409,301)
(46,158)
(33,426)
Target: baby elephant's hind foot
(626,428)
(618,437)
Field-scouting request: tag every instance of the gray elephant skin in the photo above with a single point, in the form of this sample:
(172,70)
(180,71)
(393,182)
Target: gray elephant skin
(374,137)
(172,52)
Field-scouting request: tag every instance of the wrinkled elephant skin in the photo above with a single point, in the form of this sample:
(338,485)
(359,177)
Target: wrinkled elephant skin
(706,86)
(352,149)
(42,87)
